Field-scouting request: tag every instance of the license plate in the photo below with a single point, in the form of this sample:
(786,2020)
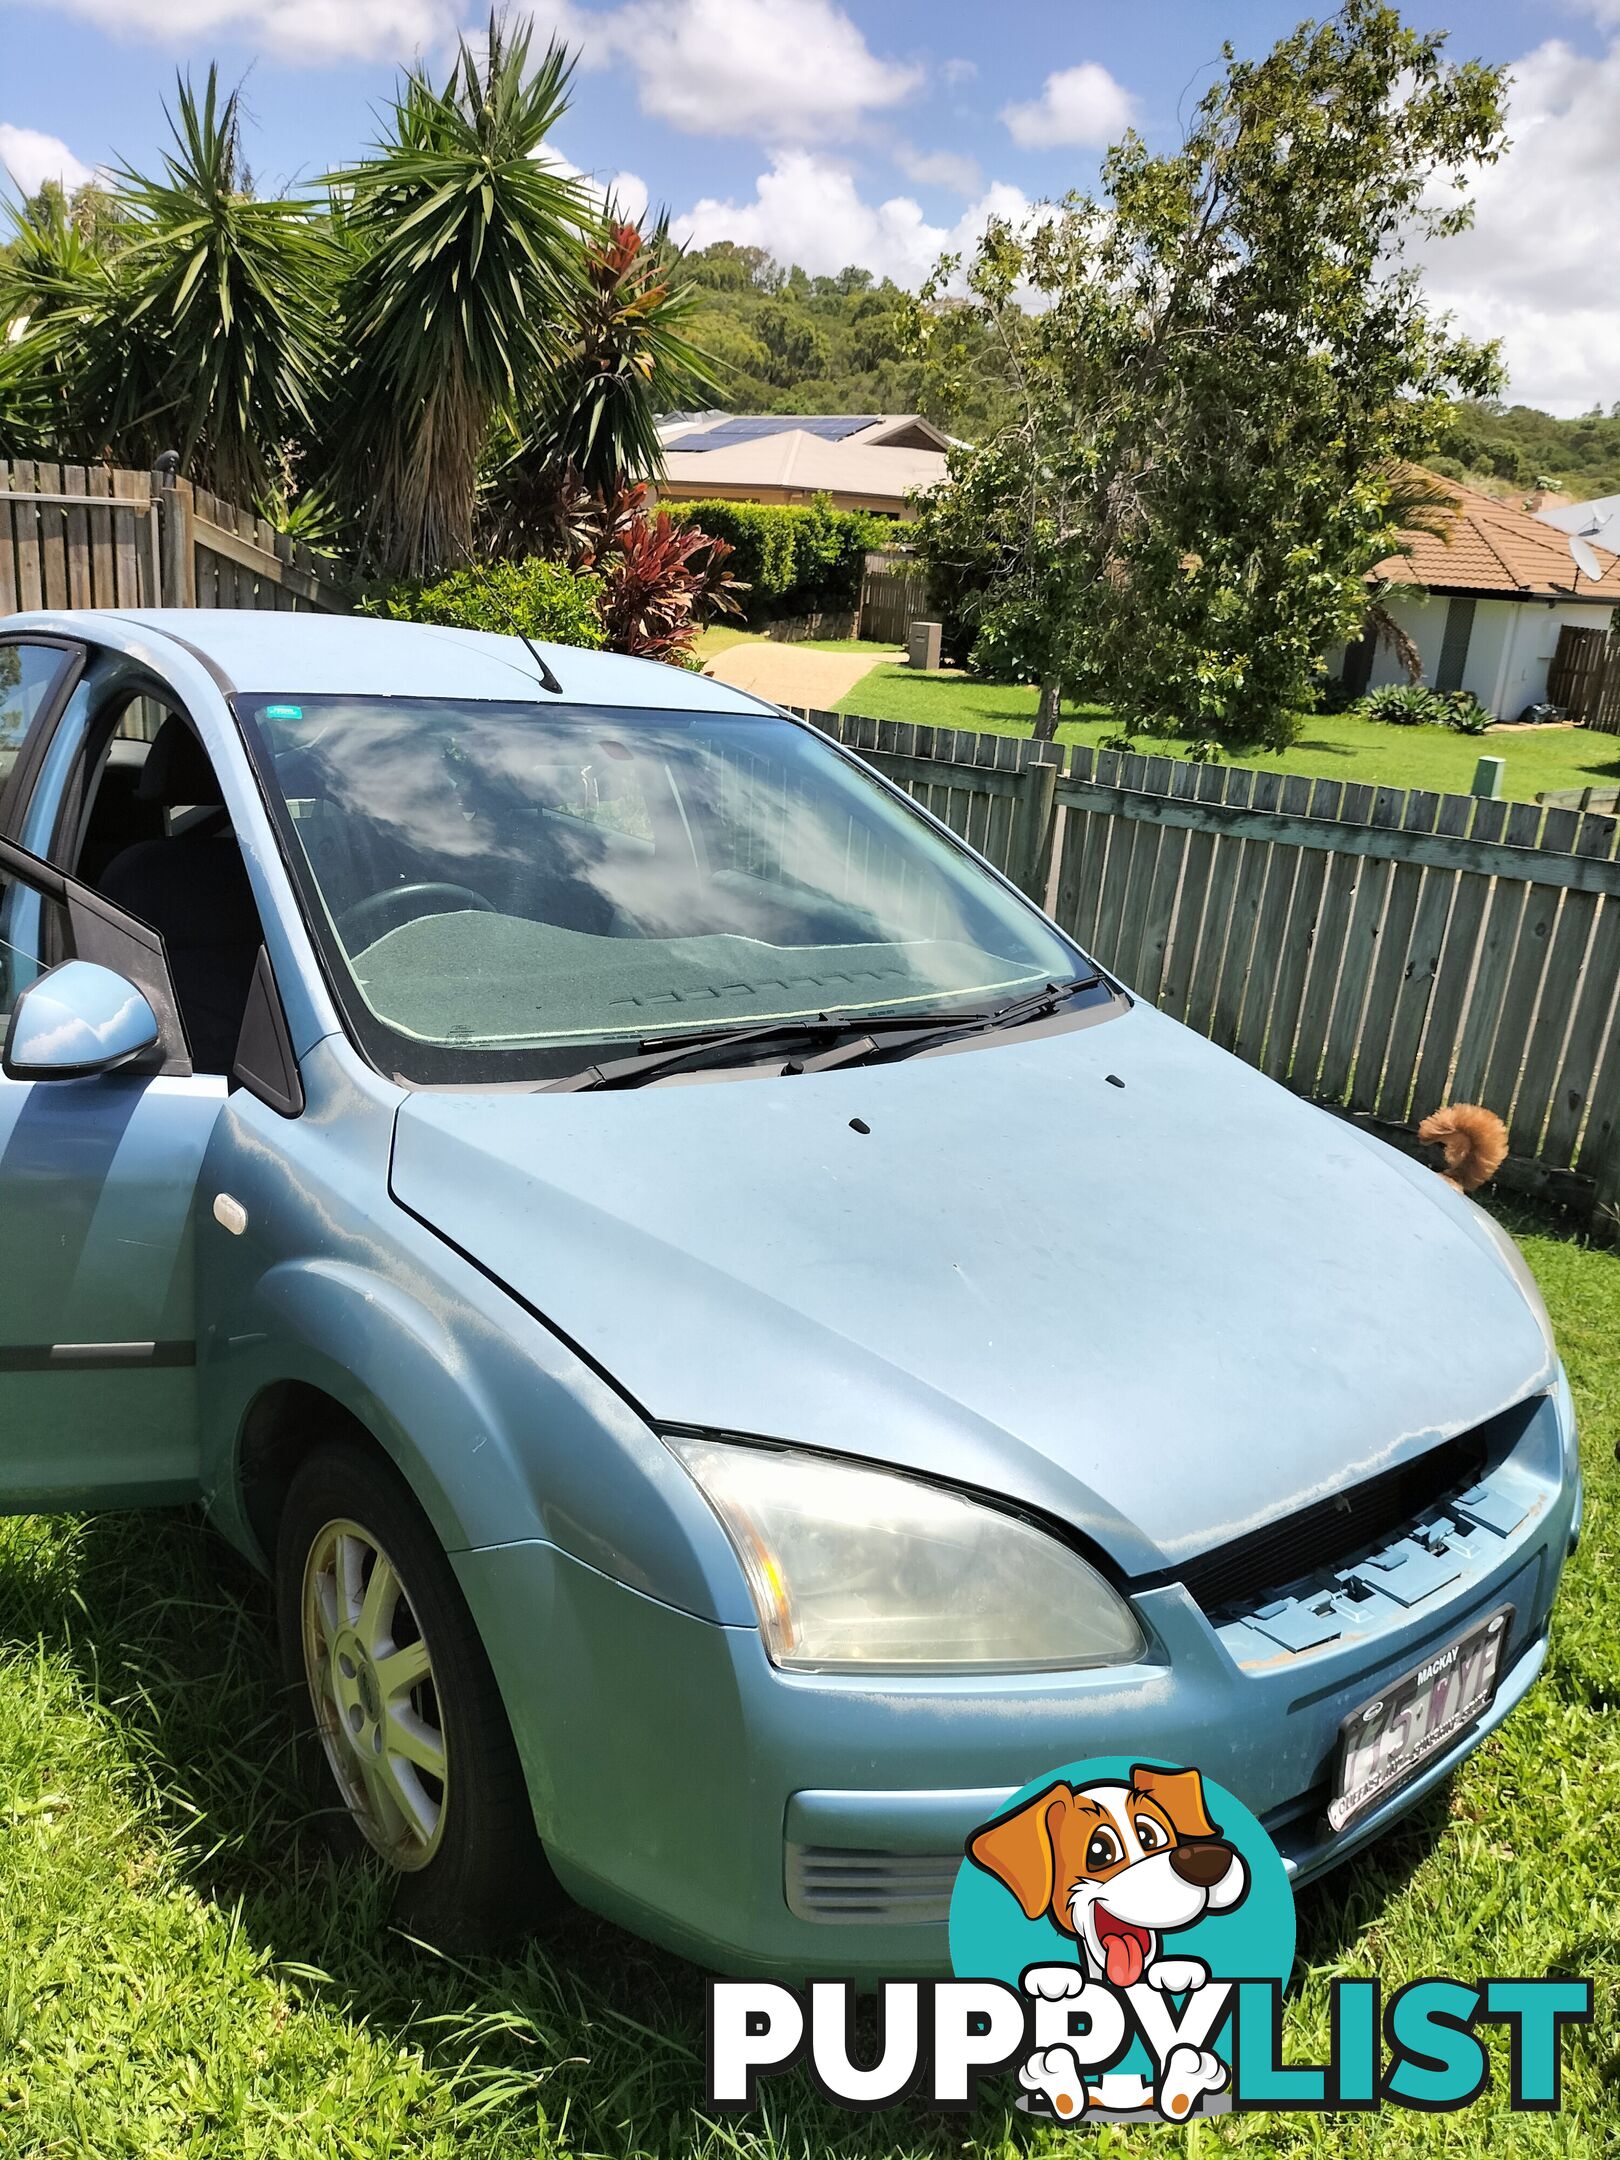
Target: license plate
(1389,1739)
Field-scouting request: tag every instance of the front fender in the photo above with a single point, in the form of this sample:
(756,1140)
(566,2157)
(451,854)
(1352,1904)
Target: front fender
(500,1431)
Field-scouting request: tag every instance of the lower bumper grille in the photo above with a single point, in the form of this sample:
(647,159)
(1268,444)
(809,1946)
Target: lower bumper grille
(830,1883)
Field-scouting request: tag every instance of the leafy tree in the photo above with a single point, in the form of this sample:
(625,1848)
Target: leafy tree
(1230,353)
(465,248)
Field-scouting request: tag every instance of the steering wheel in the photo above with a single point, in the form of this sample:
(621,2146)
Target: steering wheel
(387,903)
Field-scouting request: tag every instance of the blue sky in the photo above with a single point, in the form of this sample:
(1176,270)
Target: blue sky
(876,131)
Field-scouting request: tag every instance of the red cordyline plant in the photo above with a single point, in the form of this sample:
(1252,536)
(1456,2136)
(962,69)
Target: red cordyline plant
(660,578)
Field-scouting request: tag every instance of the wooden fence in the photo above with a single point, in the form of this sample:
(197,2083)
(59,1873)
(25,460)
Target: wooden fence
(894,593)
(1381,952)
(1584,677)
(76,536)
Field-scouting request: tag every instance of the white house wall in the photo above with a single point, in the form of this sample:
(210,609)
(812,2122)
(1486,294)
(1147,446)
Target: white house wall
(1521,677)
(1509,649)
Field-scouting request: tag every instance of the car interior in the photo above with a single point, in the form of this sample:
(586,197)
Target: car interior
(155,839)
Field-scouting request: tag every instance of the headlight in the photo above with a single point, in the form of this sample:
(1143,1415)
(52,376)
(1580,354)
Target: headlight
(1519,1268)
(851,1566)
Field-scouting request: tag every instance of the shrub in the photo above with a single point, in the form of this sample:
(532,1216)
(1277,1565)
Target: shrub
(660,577)
(543,600)
(795,558)
(1416,705)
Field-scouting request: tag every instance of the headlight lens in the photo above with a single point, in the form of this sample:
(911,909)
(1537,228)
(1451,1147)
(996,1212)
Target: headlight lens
(850,1566)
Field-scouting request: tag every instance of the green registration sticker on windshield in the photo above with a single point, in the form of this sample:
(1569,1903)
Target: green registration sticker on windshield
(284,712)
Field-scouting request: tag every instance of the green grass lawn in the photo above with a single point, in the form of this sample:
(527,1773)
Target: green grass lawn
(183,1972)
(1334,747)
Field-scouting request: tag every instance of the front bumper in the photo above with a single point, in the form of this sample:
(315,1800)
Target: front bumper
(800,1824)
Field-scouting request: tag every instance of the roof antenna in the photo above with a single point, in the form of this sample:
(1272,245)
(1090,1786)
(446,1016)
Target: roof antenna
(548,680)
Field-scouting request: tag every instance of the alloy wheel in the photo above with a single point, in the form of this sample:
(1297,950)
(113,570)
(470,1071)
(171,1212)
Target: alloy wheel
(376,1703)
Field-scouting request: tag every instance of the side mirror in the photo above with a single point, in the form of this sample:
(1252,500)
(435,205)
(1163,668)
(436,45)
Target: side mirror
(78,1019)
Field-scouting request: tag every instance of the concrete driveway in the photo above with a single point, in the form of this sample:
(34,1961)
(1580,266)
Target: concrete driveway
(795,674)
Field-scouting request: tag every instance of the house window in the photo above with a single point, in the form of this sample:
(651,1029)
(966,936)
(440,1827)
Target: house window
(1454,645)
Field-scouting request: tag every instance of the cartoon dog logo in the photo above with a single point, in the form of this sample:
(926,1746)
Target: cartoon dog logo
(1116,1867)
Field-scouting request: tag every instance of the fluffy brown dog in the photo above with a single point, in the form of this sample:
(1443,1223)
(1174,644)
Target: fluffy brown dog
(1475,1143)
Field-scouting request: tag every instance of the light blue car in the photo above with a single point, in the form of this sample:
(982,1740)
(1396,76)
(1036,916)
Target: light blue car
(739,1344)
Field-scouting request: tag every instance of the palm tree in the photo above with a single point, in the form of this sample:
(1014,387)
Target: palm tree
(627,359)
(204,329)
(467,249)
(1419,501)
(234,295)
(591,431)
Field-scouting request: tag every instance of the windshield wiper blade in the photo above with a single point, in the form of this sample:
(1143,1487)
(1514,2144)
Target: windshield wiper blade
(663,1053)
(921,1033)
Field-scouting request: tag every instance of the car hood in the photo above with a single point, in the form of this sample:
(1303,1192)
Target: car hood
(1108,1271)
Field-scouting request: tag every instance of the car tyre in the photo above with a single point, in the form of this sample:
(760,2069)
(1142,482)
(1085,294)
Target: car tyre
(402,1740)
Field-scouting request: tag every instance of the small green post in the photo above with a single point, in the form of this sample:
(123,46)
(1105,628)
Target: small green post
(1488,778)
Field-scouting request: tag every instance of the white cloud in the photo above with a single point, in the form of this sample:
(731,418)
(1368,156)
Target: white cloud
(939,168)
(629,195)
(1540,268)
(315,32)
(1082,105)
(32,158)
(627,191)
(785,70)
(808,210)
(957,72)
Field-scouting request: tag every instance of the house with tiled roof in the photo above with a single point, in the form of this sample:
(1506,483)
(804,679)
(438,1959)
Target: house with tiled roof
(1484,603)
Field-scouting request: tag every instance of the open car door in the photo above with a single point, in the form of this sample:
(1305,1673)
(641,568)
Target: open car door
(98,1183)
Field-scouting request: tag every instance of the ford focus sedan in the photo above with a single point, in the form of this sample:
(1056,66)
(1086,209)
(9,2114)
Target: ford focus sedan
(738,1344)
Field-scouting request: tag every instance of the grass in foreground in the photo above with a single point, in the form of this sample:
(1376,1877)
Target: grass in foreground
(1332,747)
(183,1973)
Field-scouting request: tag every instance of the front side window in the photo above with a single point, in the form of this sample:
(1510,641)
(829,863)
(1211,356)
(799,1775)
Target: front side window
(27,673)
(504,891)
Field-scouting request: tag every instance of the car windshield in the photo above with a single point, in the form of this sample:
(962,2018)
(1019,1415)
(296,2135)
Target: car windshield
(503,890)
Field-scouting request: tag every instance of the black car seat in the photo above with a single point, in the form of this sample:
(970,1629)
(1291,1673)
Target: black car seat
(192,888)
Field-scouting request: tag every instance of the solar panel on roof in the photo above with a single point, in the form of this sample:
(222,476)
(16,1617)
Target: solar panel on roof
(755,427)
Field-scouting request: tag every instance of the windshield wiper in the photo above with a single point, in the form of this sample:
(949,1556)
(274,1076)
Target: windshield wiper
(663,1053)
(922,1033)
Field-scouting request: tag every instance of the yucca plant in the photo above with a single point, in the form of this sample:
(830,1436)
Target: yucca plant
(627,360)
(591,429)
(467,248)
(227,307)
(204,329)
(58,308)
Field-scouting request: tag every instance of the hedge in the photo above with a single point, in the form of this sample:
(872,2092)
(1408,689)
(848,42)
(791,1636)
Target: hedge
(795,558)
(542,599)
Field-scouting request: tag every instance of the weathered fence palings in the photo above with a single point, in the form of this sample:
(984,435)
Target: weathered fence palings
(73,536)
(1378,951)
(893,593)
(1584,677)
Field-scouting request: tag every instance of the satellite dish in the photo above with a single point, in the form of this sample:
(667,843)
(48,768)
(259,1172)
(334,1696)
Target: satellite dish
(1586,561)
